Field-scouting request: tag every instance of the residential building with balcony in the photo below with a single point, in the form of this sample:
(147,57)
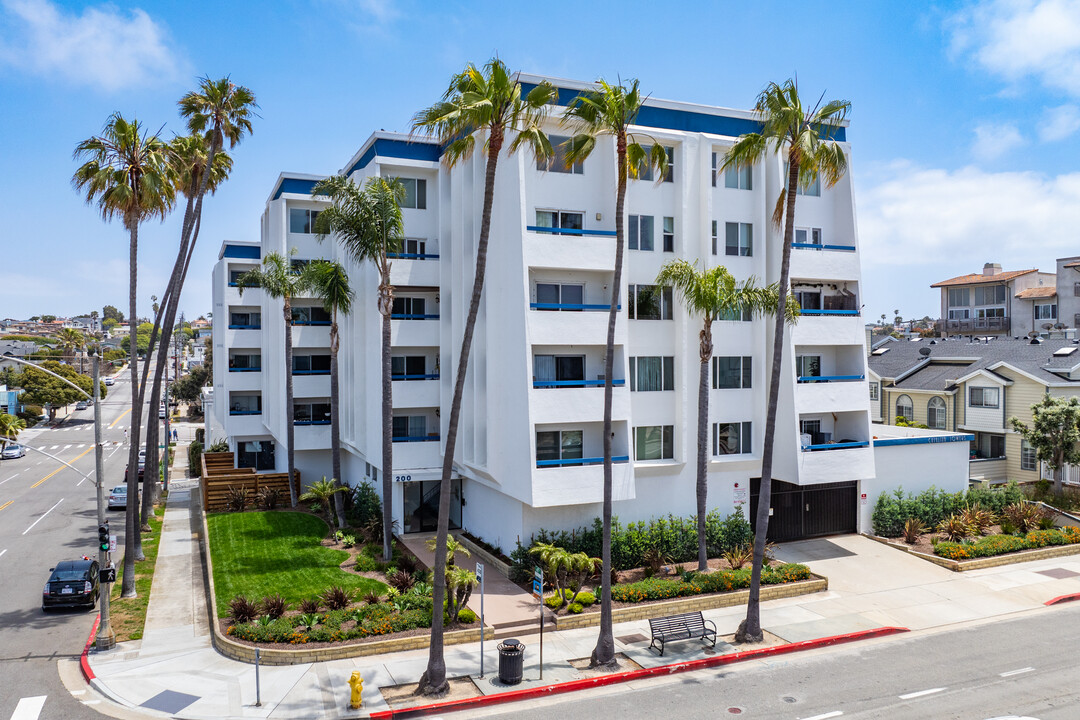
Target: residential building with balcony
(530,446)
(993,302)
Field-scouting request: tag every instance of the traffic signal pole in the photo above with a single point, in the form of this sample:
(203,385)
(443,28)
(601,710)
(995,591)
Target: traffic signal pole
(106,638)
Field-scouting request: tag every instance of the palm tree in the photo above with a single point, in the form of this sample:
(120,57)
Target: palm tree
(279,281)
(11,426)
(321,491)
(125,174)
(805,138)
(477,102)
(330,283)
(70,341)
(610,110)
(369,226)
(712,293)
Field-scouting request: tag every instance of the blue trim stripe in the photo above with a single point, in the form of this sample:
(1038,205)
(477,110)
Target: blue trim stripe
(415,438)
(296,186)
(828,312)
(428,376)
(569,306)
(923,440)
(569,231)
(402,149)
(580,461)
(816,246)
(829,378)
(574,383)
(242,252)
(836,446)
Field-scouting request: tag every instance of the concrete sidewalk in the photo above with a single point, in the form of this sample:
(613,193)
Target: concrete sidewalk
(175,671)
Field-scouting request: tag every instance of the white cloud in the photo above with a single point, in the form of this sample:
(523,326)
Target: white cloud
(103,47)
(1059,123)
(1018,39)
(993,141)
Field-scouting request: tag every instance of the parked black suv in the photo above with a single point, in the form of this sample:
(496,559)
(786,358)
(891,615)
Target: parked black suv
(72,583)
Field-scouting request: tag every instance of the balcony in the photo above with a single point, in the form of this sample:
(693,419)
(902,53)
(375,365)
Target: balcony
(831,394)
(311,435)
(967,325)
(570,307)
(577,462)
(408,316)
(245,326)
(818,313)
(256,368)
(563,328)
(414,269)
(817,246)
(414,453)
(576,401)
(835,462)
(563,248)
(581,481)
(817,329)
(570,231)
(416,392)
(988,469)
(830,378)
(411,332)
(575,383)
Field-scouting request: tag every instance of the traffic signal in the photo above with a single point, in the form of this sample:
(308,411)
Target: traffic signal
(103,536)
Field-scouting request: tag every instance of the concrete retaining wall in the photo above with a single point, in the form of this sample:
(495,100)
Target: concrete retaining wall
(1045,553)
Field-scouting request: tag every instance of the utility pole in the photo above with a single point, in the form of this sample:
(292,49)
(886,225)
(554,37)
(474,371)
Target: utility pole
(106,638)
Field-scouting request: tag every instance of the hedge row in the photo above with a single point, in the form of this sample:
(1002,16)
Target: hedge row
(931,506)
(723,581)
(372,621)
(992,545)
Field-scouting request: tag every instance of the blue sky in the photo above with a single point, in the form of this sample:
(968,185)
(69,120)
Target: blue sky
(964,124)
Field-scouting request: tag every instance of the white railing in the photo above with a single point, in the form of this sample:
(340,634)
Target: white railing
(1070,474)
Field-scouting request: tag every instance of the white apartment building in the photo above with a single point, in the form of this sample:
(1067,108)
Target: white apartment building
(530,447)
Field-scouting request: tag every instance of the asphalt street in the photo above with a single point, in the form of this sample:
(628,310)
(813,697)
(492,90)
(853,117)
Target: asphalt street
(1020,667)
(48,513)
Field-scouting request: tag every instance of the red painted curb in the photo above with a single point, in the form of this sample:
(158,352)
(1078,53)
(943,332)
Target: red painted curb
(83,662)
(571,686)
(1063,599)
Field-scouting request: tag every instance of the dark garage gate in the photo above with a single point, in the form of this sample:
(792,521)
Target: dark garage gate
(805,511)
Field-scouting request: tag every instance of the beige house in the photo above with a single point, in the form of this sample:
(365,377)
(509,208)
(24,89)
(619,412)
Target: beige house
(993,302)
(975,387)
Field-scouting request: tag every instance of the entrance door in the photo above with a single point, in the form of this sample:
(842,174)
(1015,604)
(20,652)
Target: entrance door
(802,512)
(421,505)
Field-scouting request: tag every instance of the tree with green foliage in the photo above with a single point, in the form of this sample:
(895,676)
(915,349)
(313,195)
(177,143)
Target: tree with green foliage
(189,387)
(610,110)
(109,312)
(41,388)
(10,427)
(1054,433)
(70,341)
(714,294)
(321,491)
(48,318)
(805,137)
(485,103)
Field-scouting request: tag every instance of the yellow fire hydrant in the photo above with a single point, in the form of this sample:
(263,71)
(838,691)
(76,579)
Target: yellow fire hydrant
(356,682)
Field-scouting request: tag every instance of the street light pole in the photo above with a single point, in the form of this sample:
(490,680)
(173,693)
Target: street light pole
(106,638)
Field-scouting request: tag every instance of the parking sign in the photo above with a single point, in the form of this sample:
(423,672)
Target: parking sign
(538,582)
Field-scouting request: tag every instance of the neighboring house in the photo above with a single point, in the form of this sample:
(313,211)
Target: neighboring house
(85,323)
(200,328)
(9,400)
(21,349)
(987,303)
(1068,291)
(975,387)
(530,444)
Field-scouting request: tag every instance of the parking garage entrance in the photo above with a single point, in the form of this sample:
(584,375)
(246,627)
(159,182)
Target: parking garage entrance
(806,511)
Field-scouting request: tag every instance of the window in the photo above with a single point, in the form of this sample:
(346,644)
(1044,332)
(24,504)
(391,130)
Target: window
(739,239)
(414,246)
(669,173)
(714,237)
(311,412)
(989,446)
(904,408)
(730,373)
(807,366)
(654,442)
(959,297)
(984,397)
(731,315)
(649,374)
(234,277)
(935,413)
(993,312)
(559,445)
(560,368)
(650,302)
(245,320)
(1028,457)
(311,364)
(641,233)
(645,169)
(808,236)
(739,177)
(557,162)
(714,161)
(409,427)
(731,438)
(549,294)
(245,404)
(297,265)
(258,454)
(408,367)
(302,220)
(408,307)
(1046,312)
(873,392)
(808,299)
(959,313)
(313,315)
(245,362)
(812,189)
(560,219)
(990,295)
(1076,289)
(811,433)
(415,193)
(669,234)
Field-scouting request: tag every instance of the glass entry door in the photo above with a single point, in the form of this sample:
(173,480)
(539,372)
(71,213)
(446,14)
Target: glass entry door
(421,505)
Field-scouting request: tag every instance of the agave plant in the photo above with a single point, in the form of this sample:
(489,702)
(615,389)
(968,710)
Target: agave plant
(978,519)
(954,528)
(913,528)
(654,560)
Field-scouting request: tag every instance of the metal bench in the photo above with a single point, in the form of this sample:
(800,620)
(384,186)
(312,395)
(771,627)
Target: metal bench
(681,627)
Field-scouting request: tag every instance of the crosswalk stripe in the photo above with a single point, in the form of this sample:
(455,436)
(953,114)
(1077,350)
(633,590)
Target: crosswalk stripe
(29,708)
(66,447)
(54,447)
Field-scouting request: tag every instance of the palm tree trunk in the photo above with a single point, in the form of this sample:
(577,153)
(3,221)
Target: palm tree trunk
(132,539)
(335,423)
(750,628)
(703,443)
(603,655)
(289,431)
(385,306)
(433,681)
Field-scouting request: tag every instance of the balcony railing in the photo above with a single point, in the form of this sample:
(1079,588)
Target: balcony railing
(428,376)
(246,327)
(830,378)
(973,324)
(235,411)
(836,446)
(311,422)
(570,306)
(409,316)
(311,322)
(809,313)
(415,438)
(245,369)
(311,372)
(569,231)
(412,256)
(818,246)
(574,383)
(566,462)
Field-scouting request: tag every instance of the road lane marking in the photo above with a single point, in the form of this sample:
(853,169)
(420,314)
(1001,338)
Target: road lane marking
(6,504)
(58,469)
(67,447)
(121,417)
(1017,672)
(42,517)
(826,716)
(54,447)
(29,708)
(2,552)
(921,693)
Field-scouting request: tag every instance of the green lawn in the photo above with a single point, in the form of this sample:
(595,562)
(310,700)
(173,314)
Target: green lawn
(128,615)
(261,553)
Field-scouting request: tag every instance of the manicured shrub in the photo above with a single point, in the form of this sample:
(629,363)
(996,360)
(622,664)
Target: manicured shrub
(336,598)
(555,601)
(274,606)
(194,454)
(586,598)
(365,562)
(992,545)
(892,510)
(242,609)
(466,616)
(722,581)
(575,608)
(1042,538)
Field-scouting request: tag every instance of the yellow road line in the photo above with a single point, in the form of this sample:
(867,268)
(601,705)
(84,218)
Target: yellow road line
(6,504)
(60,468)
(119,418)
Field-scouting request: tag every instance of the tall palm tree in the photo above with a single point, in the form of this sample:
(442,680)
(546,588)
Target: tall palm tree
(478,102)
(712,293)
(280,281)
(70,341)
(330,283)
(805,138)
(10,427)
(125,173)
(610,110)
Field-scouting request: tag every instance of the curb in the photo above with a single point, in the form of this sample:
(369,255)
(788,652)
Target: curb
(573,685)
(1063,599)
(84,663)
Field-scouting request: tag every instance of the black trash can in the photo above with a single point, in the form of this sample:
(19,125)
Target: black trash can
(511,659)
